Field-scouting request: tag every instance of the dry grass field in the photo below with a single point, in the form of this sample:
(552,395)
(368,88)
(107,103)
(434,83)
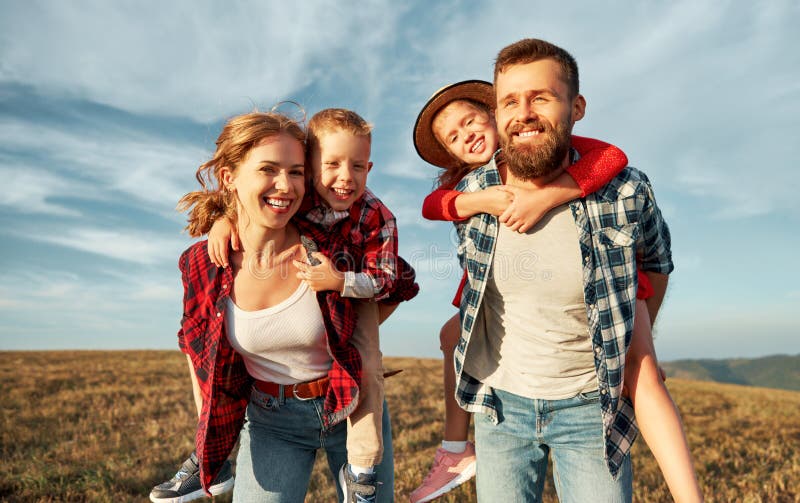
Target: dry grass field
(106,426)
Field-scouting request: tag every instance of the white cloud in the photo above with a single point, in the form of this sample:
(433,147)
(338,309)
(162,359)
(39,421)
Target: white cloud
(88,312)
(31,190)
(193,59)
(132,245)
(153,172)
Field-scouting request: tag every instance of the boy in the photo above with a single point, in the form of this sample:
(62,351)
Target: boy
(338,147)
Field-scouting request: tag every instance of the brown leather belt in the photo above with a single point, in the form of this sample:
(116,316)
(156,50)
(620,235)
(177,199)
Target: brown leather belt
(302,390)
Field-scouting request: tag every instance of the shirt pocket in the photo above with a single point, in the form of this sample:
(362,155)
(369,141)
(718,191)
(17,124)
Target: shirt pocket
(616,247)
(619,235)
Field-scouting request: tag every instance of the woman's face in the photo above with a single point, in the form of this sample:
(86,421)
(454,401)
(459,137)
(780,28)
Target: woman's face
(466,131)
(270,181)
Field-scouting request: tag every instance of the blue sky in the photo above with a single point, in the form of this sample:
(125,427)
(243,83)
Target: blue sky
(107,109)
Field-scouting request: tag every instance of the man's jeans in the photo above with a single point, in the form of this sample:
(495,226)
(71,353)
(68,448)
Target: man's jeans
(278,445)
(512,455)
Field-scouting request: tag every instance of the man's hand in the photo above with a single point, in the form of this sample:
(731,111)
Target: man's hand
(222,234)
(321,277)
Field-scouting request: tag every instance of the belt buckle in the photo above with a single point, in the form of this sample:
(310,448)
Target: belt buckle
(294,393)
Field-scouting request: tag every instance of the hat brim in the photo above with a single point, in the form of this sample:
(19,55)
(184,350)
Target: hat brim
(428,147)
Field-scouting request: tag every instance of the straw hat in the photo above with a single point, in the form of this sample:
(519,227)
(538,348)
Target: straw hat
(428,147)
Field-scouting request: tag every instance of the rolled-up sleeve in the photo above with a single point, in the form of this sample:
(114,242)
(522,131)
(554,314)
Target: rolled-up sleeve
(654,247)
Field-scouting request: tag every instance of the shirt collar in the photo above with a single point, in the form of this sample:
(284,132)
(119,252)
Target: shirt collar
(322,214)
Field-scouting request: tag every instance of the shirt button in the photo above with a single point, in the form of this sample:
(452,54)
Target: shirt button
(586,259)
(597,350)
(224,286)
(603,391)
(591,306)
(219,314)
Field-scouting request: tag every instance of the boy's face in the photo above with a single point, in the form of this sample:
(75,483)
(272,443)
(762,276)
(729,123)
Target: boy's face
(340,164)
(466,131)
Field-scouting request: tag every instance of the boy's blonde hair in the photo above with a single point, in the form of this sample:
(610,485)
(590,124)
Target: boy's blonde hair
(336,119)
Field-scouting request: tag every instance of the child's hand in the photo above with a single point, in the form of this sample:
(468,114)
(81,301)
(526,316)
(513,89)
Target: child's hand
(321,277)
(221,234)
(495,200)
(527,207)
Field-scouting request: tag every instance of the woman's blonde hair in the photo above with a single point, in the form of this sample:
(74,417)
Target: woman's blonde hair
(239,135)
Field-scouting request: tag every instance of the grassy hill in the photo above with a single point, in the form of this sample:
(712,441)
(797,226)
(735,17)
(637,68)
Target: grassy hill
(106,426)
(779,371)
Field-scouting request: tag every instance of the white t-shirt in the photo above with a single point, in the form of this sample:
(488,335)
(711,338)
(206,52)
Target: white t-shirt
(531,335)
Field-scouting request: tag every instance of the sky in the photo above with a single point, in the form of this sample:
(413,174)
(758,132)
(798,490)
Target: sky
(108,108)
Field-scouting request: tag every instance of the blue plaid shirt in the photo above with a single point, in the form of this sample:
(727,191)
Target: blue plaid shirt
(617,226)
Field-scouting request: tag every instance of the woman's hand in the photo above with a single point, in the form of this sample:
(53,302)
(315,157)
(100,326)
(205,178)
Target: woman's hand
(321,277)
(222,234)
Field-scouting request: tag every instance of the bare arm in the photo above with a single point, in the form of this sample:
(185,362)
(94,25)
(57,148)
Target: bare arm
(492,200)
(659,282)
(385,309)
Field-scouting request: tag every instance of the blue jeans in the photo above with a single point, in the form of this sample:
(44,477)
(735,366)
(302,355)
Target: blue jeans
(278,445)
(512,455)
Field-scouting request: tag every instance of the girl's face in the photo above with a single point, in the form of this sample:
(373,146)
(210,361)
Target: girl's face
(466,131)
(269,182)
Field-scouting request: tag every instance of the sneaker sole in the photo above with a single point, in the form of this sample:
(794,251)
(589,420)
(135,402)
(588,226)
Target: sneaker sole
(462,477)
(342,485)
(215,490)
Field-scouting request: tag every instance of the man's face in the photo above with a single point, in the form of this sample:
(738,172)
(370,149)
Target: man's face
(535,115)
(340,166)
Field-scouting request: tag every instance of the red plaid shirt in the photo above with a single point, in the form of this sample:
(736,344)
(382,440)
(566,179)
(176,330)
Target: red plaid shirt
(366,241)
(221,374)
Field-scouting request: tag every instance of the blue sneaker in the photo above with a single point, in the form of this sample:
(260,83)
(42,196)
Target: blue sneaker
(185,485)
(357,489)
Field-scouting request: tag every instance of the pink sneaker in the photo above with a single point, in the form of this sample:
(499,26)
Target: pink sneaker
(449,471)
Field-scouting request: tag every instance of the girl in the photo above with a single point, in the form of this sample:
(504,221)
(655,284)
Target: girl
(455,131)
(271,357)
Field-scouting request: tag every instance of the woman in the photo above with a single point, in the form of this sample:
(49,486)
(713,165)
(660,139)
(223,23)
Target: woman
(272,358)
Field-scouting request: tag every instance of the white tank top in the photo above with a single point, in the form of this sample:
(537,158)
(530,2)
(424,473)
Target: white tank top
(285,343)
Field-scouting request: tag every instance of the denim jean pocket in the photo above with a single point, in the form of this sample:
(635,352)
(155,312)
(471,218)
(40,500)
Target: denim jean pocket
(264,401)
(589,396)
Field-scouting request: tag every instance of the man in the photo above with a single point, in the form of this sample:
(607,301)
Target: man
(547,315)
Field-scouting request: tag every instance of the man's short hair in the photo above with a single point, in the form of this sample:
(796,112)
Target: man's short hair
(529,50)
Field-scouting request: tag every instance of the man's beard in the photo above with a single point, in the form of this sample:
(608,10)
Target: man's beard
(528,161)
